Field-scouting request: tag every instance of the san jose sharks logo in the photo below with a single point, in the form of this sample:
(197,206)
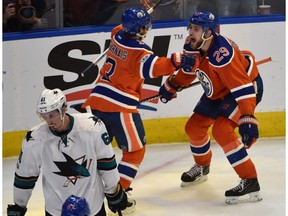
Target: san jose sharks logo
(96,120)
(29,136)
(72,169)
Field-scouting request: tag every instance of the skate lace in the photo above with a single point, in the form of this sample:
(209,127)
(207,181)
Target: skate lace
(195,170)
(240,186)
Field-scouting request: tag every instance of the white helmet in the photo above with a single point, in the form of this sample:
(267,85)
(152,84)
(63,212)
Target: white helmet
(51,99)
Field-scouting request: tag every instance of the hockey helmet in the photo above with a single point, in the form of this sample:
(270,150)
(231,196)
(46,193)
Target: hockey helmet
(205,19)
(50,100)
(75,206)
(134,18)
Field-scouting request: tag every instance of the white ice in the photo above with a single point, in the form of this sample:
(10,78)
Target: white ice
(157,187)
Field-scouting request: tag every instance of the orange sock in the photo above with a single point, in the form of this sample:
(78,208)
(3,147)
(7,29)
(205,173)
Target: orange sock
(129,165)
(224,133)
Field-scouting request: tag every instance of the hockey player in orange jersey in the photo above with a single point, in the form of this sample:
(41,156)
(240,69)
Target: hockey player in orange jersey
(232,89)
(118,88)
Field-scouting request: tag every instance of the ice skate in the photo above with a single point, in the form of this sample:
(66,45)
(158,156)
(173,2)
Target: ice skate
(240,193)
(131,206)
(196,175)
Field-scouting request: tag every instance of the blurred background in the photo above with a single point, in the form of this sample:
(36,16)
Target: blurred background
(56,14)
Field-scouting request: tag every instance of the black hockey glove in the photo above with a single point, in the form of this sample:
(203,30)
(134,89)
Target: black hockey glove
(16,210)
(118,200)
(248,129)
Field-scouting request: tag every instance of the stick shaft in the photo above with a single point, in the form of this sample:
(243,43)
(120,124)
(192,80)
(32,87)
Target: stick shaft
(119,212)
(95,62)
(88,109)
(153,8)
(264,61)
(158,95)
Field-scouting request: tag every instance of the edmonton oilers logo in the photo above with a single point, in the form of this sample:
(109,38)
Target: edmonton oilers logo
(205,82)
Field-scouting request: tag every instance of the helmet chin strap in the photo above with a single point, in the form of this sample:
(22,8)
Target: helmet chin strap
(204,39)
(63,114)
(63,120)
(141,36)
(141,30)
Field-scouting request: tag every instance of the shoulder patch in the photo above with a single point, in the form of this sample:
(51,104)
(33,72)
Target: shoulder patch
(29,135)
(221,52)
(144,58)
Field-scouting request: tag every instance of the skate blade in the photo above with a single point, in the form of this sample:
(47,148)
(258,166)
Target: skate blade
(253,197)
(196,182)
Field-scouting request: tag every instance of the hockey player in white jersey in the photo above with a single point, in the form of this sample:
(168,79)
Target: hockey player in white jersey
(74,155)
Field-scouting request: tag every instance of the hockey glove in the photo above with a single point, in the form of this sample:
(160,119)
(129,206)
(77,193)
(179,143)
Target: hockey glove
(248,129)
(118,200)
(16,210)
(168,90)
(187,62)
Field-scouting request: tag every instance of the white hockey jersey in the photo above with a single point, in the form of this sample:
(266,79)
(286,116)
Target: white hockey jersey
(79,162)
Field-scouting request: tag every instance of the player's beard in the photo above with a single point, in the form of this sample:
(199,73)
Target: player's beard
(195,45)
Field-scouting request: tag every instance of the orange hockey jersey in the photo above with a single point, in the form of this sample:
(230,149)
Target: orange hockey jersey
(224,69)
(128,62)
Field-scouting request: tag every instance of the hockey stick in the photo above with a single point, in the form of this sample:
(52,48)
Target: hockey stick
(158,95)
(95,62)
(88,109)
(198,82)
(264,61)
(149,7)
(119,212)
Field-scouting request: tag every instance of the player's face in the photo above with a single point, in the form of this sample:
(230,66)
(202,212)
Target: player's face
(143,31)
(195,34)
(53,119)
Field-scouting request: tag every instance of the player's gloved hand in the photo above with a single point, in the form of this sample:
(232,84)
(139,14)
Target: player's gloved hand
(118,200)
(16,210)
(187,62)
(248,129)
(168,90)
